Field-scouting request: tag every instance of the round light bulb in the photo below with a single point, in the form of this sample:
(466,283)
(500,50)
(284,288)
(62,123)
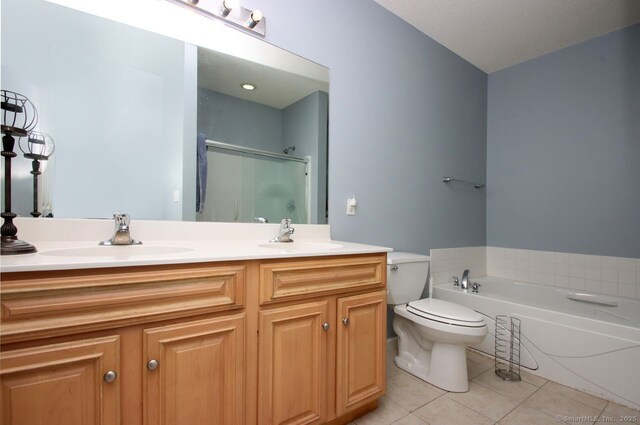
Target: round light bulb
(248,86)
(256,15)
(231,4)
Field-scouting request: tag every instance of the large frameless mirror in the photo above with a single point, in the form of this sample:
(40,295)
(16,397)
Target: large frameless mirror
(162,128)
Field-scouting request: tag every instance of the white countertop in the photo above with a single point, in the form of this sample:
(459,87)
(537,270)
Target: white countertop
(200,242)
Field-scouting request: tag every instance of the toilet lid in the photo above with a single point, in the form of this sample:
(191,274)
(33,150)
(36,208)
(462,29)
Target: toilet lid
(446,312)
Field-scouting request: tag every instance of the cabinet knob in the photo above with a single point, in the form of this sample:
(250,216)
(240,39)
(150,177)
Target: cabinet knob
(325,326)
(110,376)
(346,321)
(152,364)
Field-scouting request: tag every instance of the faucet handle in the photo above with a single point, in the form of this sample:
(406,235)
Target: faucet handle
(285,223)
(475,286)
(456,281)
(121,218)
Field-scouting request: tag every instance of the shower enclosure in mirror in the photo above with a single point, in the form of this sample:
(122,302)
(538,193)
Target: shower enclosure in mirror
(245,186)
(125,103)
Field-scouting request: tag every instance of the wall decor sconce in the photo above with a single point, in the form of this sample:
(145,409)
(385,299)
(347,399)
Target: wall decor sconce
(229,11)
(37,146)
(19,116)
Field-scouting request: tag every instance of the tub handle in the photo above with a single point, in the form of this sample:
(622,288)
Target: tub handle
(591,299)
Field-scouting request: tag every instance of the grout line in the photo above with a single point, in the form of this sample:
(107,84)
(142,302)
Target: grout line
(473,410)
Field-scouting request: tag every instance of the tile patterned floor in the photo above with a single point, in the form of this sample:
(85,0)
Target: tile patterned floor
(490,400)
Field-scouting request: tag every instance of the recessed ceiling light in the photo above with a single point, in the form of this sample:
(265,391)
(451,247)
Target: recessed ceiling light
(248,86)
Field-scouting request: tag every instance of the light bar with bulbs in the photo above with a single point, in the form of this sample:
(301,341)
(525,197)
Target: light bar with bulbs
(229,11)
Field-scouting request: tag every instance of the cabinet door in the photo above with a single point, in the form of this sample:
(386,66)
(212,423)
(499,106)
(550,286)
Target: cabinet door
(361,350)
(292,377)
(62,384)
(194,373)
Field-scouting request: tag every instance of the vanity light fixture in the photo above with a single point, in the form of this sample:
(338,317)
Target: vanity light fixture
(254,18)
(227,6)
(248,86)
(229,11)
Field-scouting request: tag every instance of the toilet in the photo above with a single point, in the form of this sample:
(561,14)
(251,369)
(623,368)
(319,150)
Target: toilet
(433,335)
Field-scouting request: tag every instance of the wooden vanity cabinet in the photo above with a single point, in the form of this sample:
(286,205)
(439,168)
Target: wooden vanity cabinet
(296,341)
(57,365)
(195,372)
(324,359)
(72,383)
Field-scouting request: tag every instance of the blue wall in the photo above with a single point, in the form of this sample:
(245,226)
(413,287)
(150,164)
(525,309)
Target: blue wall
(304,125)
(564,150)
(229,119)
(99,127)
(404,111)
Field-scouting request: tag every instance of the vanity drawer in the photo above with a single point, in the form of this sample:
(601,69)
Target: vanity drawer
(298,278)
(60,302)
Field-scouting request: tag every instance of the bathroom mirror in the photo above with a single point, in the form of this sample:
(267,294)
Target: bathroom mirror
(125,106)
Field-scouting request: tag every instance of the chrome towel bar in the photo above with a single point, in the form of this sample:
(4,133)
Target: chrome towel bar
(453,179)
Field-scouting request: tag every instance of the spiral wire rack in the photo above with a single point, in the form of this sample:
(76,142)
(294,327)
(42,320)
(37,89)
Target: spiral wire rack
(507,363)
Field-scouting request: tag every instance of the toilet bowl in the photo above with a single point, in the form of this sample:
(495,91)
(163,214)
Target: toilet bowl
(433,335)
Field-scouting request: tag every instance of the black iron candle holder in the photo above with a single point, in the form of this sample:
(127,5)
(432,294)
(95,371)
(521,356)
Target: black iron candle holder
(37,147)
(19,116)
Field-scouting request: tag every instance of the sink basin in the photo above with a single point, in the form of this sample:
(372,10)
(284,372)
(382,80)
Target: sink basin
(301,246)
(123,251)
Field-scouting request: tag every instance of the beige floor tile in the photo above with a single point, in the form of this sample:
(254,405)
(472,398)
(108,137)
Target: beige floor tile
(475,369)
(444,411)
(525,416)
(584,398)
(616,410)
(532,379)
(517,391)
(484,401)
(387,413)
(410,392)
(410,420)
(392,369)
(555,404)
(480,358)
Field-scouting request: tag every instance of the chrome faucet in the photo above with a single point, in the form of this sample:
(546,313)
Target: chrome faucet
(464,283)
(285,232)
(122,235)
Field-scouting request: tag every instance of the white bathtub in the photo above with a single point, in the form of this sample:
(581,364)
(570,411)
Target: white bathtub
(591,346)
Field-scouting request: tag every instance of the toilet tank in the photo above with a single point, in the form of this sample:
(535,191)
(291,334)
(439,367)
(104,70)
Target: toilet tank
(406,276)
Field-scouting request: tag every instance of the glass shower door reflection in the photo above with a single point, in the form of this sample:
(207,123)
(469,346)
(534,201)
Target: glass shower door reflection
(275,189)
(241,186)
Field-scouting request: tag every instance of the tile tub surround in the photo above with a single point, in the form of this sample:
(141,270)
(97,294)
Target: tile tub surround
(618,276)
(535,401)
(449,262)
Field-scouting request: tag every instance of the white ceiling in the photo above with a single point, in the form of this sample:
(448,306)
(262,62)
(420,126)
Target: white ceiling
(495,34)
(275,87)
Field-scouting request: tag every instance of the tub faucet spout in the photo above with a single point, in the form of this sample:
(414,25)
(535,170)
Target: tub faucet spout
(464,283)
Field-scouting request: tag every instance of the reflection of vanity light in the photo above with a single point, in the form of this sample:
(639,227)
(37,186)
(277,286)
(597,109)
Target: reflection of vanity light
(248,86)
(254,18)
(227,6)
